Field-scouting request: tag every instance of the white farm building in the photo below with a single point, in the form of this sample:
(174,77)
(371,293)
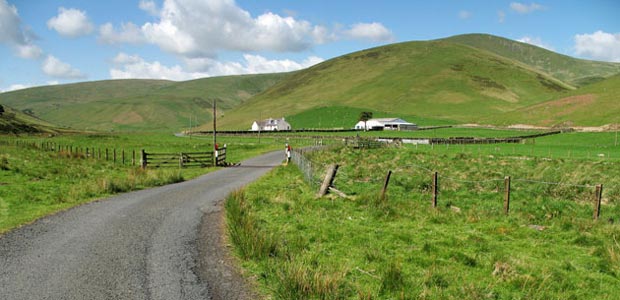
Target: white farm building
(385,124)
(271,125)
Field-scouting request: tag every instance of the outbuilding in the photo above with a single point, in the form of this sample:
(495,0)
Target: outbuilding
(385,124)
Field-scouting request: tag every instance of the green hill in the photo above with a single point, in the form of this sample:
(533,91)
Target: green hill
(435,79)
(594,105)
(577,72)
(137,105)
(15,122)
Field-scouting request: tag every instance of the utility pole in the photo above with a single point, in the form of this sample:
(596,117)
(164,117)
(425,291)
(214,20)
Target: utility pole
(190,127)
(214,126)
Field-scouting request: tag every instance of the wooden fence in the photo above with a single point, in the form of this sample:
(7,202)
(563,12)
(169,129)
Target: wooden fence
(183,159)
(311,170)
(128,157)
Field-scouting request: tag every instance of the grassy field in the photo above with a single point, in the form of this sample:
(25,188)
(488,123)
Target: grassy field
(364,247)
(35,183)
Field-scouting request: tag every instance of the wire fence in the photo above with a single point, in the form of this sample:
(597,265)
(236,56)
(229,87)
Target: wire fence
(421,174)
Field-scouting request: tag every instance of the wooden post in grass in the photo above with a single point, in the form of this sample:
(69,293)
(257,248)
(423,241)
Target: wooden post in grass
(506,194)
(329,179)
(181,160)
(435,190)
(385,185)
(114,155)
(87,153)
(598,195)
(123,156)
(133,157)
(106,154)
(143,161)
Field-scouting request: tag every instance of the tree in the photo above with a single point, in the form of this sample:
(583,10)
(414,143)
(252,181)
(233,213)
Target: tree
(364,117)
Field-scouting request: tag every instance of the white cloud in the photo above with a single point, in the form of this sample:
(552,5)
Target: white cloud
(370,31)
(71,23)
(29,51)
(536,41)
(525,8)
(15,87)
(129,34)
(133,66)
(501,16)
(464,15)
(203,28)
(599,46)
(149,6)
(52,66)
(12,33)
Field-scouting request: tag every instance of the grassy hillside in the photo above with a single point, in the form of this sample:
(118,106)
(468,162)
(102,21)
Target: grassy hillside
(577,72)
(136,104)
(593,105)
(436,79)
(347,117)
(16,122)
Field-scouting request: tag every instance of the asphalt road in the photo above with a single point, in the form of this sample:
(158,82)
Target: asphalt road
(139,245)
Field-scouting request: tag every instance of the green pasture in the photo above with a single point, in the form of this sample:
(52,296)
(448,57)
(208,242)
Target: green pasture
(35,183)
(366,247)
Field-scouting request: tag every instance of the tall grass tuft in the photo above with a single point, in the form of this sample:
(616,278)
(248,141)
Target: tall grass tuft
(243,229)
(298,281)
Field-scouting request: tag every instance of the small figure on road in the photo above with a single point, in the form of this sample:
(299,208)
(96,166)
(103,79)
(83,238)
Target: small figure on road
(287,151)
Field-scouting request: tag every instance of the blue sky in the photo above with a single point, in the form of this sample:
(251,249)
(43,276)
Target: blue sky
(46,42)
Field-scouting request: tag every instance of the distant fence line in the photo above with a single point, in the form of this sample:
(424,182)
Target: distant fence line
(129,157)
(384,139)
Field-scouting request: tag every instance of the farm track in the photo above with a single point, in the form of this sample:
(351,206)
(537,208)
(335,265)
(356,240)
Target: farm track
(150,244)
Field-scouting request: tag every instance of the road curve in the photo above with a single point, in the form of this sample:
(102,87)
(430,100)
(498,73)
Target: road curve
(139,245)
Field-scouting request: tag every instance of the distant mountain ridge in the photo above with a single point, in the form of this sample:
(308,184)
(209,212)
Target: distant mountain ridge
(474,78)
(137,104)
(574,71)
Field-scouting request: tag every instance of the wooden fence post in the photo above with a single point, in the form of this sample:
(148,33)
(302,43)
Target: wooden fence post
(114,155)
(143,161)
(385,185)
(133,157)
(329,179)
(435,189)
(106,154)
(598,195)
(506,194)
(181,160)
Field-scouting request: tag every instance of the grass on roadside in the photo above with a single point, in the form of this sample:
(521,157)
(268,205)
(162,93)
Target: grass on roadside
(364,248)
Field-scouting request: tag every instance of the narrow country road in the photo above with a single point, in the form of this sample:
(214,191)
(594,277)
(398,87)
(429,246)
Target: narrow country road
(139,245)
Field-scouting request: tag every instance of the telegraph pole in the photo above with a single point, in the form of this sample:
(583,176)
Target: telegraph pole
(214,126)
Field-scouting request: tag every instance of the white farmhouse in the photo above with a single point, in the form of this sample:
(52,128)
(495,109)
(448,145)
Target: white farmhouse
(385,124)
(271,125)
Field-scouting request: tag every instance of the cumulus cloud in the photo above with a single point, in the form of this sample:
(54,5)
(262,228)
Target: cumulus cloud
(501,16)
(15,87)
(464,15)
(375,32)
(12,33)
(133,66)
(203,28)
(599,46)
(129,33)
(71,23)
(29,51)
(149,7)
(536,41)
(52,66)
(525,8)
